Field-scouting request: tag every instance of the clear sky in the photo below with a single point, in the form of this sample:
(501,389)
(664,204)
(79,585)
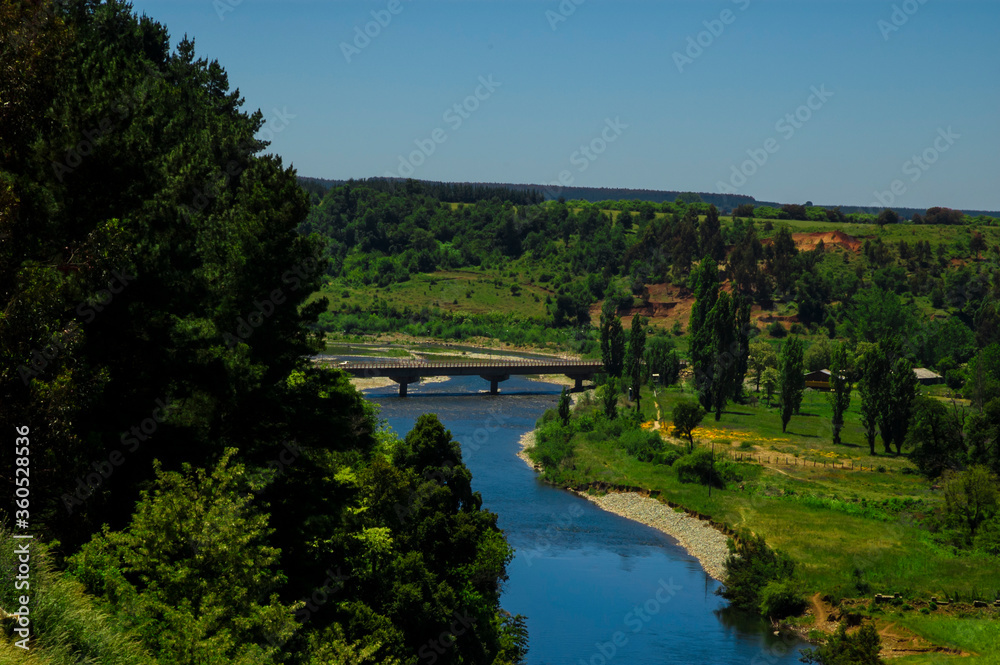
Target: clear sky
(708,95)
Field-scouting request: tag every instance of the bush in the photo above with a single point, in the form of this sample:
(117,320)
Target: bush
(776,330)
(861,648)
(669,456)
(642,444)
(750,567)
(779,599)
(698,467)
(552,444)
(799,329)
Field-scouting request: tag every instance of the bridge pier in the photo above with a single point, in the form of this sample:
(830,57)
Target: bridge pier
(404,381)
(579,379)
(495,380)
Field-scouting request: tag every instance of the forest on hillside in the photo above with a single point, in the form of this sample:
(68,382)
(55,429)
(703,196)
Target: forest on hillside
(554,262)
(194,489)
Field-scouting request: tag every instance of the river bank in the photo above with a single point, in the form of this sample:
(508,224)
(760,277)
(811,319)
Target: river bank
(697,537)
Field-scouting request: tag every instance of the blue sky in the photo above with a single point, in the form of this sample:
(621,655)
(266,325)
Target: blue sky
(629,81)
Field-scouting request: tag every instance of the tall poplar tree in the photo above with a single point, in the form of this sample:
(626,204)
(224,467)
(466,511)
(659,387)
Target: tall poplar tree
(636,353)
(703,348)
(840,389)
(792,382)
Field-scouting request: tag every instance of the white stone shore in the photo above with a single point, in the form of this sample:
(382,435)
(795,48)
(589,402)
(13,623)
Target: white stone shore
(699,538)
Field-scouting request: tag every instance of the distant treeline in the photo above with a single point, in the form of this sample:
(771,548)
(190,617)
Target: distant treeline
(520,194)
(452,192)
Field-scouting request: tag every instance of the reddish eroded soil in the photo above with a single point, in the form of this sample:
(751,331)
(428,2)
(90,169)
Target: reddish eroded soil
(806,242)
(669,304)
(897,641)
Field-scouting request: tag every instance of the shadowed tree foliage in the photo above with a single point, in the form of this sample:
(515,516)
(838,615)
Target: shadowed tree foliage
(791,383)
(636,353)
(874,390)
(153,288)
(703,346)
(840,389)
(687,416)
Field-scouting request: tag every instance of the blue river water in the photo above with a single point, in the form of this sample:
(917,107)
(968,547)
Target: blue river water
(596,588)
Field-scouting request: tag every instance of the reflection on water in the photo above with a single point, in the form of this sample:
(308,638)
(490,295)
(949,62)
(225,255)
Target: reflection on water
(596,588)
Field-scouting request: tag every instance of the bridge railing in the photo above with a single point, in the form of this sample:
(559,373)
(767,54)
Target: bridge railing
(417,364)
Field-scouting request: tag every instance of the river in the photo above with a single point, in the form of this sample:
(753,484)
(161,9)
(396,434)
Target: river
(596,588)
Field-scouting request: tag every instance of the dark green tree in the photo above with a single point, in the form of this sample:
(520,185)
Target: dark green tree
(661,358)
(193,573)
(610,397)
(744,262)
(874,391)
(703,342)
(613,346)
(902,392)
(860,648)
(636,353)
(710,236)
(687,416)
(782,264)
(935,438)
(792,379)
(750,567)
(726,352)
(984,436)
(564,406)
(840,389)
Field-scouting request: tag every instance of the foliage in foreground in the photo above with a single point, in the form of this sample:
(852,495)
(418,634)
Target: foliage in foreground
(861,648)
(757,578)
(68,625)
(192,573)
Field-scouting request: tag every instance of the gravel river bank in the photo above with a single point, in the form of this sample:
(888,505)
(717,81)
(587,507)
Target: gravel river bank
(697,537)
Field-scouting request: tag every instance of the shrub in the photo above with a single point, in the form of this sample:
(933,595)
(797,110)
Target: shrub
(641,444)
(668,457)
(698,467)
(861,648)
(552,444)
(779,599)
(776,329)
(799,329)
(750,566)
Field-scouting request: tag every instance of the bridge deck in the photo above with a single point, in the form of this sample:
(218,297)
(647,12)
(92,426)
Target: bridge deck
(470,368)
(405,372)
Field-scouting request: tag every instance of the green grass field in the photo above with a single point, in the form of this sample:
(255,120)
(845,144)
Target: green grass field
(842,527)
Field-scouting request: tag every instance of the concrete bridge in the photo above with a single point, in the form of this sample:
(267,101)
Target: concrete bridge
(405,372)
